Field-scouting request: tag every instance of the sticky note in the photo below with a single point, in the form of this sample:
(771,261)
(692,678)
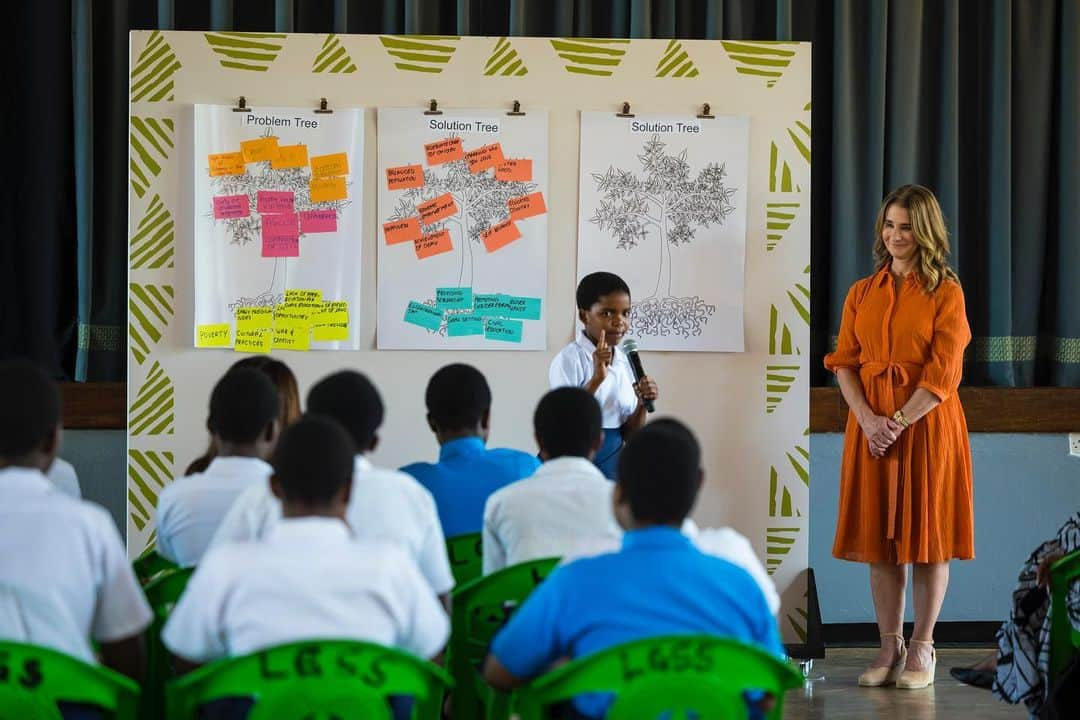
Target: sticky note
(523,308)
(453,298)
(327,189)
(399,231)
(335,306)
(330,333)
(461,325)
(526,206)
(303,296)
(330,165)
(253,341)
(504,330)
(287,316)
(485,305)
(212,336)
(404,177)
(437,209)
(330,318)
(226,164)
(274,201)
(260,150)
(280,236)
(229,207)
(330,325)
(423,315)
(500,235)
(484,157)
(292,337)
(254,318)
(318,221)
(514,170)
(290,156)
(435,243)
(443,151)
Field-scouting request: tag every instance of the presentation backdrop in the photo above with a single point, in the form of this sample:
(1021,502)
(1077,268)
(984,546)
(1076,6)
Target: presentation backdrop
(750,409)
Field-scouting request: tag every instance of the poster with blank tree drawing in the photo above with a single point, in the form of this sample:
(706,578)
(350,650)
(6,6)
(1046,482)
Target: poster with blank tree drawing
(663,204)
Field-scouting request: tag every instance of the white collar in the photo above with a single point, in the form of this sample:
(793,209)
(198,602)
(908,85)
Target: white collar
(233,465)
(309,530)
(568,465)
(361,464)
(25,479)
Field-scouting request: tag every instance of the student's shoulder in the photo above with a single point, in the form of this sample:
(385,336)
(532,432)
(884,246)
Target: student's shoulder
(401,483)
(519,457)
(418,470)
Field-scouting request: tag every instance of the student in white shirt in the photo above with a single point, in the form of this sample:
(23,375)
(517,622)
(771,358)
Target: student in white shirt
(384,505)
(244,423)
(594,361)
(310,577)
(55,547)
(63,476)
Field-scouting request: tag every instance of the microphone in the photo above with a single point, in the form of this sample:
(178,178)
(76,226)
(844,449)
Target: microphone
(630,348)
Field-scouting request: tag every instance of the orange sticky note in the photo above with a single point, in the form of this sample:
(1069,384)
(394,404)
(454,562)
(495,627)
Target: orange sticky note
(519,170)
(330,165)
(399,231)
(443,151)
(290,156)
(434,244)
(500,235)
(327,189)
(484,157)
(260,150)
(226,164)
(406,176)
(526,206)
(437,209)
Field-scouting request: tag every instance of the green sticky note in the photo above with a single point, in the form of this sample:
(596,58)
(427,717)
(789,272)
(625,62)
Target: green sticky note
(504,330)
(460,325)
(453,298)
(523,308)
(486,305)
(423,315)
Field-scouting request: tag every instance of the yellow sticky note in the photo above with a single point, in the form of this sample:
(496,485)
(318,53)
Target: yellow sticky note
(210,336)
(330,318)
(254,318)
(329,333)
(265,148)
(335,306)
(302,297)
(287,316)
(292,337)
(327,189)
(253,341)
(290,156)
(330,165)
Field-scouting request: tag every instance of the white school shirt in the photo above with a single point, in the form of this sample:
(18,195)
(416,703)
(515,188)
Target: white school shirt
(309,578)
(63,476)
(573,367)
(69,553)
(191,508)
(563,509)
(384,505)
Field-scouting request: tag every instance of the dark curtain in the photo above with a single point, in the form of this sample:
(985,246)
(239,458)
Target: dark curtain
(977,99)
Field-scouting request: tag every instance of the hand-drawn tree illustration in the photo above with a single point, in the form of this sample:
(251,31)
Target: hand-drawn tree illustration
(667,200)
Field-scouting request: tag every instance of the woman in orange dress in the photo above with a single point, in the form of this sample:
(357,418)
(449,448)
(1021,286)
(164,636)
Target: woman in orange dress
(905,476)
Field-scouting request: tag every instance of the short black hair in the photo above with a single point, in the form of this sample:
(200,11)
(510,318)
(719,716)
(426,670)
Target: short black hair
(30,410)
(658,472)
(567,422)
(242,404)
(595,285)
(457,397)
(353,401)
(313,460)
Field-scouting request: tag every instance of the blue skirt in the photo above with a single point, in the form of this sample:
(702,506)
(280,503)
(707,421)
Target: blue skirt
(608,457)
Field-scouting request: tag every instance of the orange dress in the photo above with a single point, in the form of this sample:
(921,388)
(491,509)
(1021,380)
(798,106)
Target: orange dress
(915,503)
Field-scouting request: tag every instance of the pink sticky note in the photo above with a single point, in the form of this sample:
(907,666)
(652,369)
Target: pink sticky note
(227,207)
(274,201)
(316,221)
(280,235)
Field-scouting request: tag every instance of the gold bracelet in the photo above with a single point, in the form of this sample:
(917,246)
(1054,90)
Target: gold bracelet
(900,419)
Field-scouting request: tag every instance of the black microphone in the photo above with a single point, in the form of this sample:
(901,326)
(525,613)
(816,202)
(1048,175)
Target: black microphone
(630,348)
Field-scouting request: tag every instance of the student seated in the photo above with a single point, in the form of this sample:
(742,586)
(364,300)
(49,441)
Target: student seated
(244,424)
(658,583)
(459,413)
(384,504)
(55,547)
(62,474)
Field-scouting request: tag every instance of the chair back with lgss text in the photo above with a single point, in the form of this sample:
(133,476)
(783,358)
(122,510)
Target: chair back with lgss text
(1064,637)
(466,557)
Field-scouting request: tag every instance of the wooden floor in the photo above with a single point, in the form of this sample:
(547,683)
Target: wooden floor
(838,697)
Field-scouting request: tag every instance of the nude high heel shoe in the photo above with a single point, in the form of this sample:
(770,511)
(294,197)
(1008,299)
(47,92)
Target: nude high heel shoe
(878,676)
(916,679)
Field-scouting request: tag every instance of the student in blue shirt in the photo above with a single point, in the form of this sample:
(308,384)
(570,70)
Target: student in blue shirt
(459,413)
(657,584)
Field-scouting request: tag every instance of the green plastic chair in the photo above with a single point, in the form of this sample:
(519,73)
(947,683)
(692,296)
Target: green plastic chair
(1064,638)
(150,564)
(674,676)
(479,609)
(163,592)
(36,678)
(466,557)
(343,679)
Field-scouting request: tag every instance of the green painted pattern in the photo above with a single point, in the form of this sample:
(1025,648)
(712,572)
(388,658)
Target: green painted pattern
(152,76)
(780,497)
(766,60)
(778,218)
(505,61)
(780,342)
(778,544)
(153,413)
(778,380)
(333,58)
(246,51)
(800,300)
(676,62)
(800,138)
(780,172)
(148,473)
(150,307)
(420,53)
(798,621)
(151,140)
(152,245)
(591,56)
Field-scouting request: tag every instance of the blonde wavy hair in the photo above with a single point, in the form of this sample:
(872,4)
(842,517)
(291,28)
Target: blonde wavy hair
(928,227)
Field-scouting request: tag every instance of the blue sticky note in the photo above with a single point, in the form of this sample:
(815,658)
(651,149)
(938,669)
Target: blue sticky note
(486,305)
(523,308)
(504,330)
(453,298)
(460,325)
(423,315)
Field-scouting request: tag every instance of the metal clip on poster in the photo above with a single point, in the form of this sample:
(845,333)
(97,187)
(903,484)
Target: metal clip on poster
(433,108)
(706,112)
(241,105)
(516,112)
(323,109)
(625,111)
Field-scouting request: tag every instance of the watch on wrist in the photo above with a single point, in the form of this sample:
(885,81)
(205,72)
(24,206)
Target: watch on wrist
(899,418)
